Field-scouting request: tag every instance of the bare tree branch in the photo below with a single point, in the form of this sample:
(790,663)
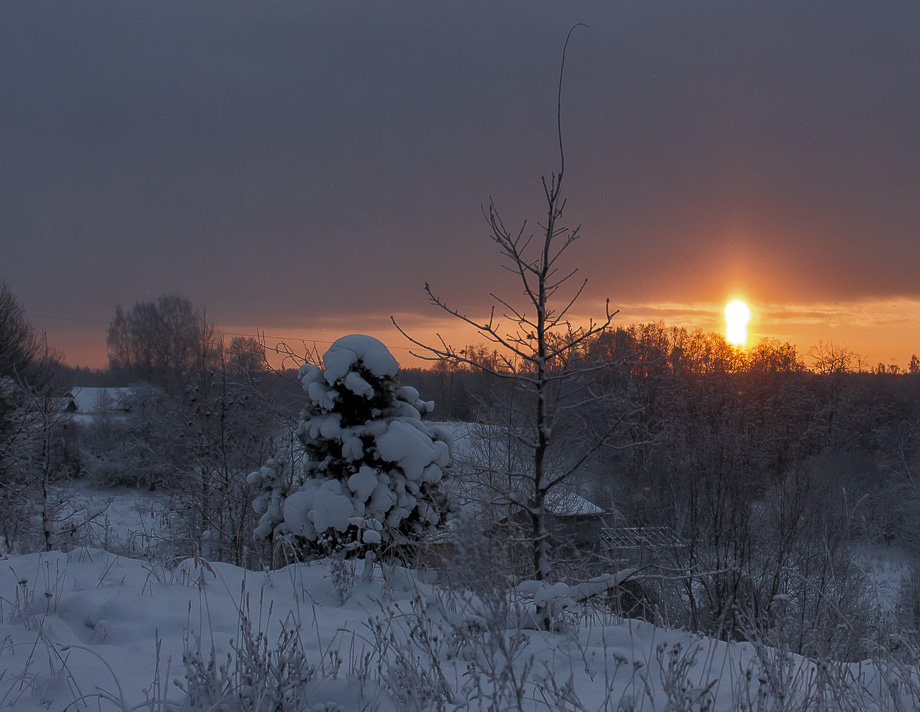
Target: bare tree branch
(539,348)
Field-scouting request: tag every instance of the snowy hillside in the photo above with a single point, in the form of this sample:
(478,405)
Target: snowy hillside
(90,630)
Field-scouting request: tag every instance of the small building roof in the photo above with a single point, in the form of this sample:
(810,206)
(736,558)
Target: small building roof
(94,401)
(571,504)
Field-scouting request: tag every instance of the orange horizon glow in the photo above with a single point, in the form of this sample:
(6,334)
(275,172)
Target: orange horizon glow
(878,331)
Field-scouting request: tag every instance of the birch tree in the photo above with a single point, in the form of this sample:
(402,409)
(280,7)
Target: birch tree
(540,348)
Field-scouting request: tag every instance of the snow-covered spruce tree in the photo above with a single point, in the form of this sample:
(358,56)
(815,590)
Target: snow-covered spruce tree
(372,468)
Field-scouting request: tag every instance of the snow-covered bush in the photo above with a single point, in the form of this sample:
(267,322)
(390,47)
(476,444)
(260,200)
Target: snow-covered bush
(372,468)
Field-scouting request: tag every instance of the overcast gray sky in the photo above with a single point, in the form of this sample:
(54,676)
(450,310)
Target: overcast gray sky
(309,165)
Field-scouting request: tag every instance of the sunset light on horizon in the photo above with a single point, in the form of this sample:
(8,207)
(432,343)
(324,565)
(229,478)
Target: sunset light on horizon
(305,173)
(876,331)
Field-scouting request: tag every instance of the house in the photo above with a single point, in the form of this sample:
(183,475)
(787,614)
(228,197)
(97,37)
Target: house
(574,524)
(100,401)
(574,521)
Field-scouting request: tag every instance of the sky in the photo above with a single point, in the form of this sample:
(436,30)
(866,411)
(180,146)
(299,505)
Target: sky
(301,169)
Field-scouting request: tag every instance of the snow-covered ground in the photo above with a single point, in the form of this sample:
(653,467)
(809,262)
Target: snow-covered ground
(121,633)
(129,521)
(92,623)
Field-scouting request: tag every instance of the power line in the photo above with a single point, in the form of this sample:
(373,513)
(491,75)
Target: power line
(257,335)
(70,318)
(295,338)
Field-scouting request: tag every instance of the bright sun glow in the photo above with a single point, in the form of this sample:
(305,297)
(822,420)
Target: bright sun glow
(737,316)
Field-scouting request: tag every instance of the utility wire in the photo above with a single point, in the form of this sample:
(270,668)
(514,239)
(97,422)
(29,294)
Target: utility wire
(227,333)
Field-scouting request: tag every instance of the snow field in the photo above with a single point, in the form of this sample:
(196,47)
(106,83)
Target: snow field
(324,636)
(78,623)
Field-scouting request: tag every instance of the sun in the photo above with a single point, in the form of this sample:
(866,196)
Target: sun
(737,316)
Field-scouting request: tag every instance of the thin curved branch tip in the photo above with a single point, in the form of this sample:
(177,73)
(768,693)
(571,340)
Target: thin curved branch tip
(559,97)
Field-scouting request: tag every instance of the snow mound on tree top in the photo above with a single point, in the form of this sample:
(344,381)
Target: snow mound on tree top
(348,350)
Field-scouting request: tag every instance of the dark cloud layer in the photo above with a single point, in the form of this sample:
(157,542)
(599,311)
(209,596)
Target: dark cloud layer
(279,160)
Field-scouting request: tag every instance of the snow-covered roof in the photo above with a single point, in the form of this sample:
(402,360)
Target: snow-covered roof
(473,498)
(571,504)
(100,400)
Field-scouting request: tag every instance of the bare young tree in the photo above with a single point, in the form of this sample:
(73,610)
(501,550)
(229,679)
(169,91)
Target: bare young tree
(31,434)
(35,458)
(539,347)
(19,345)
